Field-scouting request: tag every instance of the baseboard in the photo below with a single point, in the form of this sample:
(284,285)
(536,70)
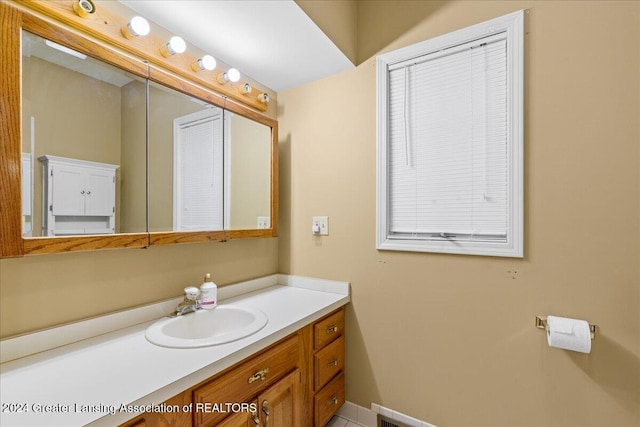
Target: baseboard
(368,417)
(358,414)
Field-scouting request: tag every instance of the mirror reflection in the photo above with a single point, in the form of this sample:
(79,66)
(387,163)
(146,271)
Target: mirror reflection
(83,144)
(209,169)
(249,159)
(84,153)
(185,162)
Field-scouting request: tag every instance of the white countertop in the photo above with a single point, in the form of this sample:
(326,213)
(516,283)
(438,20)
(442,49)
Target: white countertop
(84,381)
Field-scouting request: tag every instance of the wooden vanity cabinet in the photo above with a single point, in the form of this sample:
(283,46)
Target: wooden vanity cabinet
(246,382)
(279,405)
(296,382)
(328,367)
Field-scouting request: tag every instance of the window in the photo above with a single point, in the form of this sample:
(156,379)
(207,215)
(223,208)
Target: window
(450,145)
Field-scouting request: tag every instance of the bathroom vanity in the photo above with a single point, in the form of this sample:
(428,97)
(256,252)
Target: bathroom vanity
(289,373)
(273,387)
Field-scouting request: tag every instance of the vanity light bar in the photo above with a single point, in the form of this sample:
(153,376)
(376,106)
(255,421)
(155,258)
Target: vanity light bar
(140,27)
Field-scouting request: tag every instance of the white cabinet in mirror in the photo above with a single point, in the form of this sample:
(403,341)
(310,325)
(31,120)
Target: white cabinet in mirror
(79,197)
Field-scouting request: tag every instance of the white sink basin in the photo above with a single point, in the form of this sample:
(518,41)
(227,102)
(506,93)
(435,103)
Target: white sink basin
(220,325)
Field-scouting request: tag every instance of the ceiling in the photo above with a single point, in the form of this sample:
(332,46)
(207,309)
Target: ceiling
(271,41)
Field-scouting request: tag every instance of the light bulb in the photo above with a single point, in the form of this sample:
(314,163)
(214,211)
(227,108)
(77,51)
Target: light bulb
(138,26)
(176,45)
(207,62)
(245,89)
(264,98)
(232,75)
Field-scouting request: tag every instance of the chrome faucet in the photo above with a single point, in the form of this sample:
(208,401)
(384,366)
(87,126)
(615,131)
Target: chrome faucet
(190,303)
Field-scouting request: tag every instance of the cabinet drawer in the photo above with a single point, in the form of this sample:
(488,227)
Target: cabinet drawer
(329,400)
(246,381)
(328,329)
(328,362)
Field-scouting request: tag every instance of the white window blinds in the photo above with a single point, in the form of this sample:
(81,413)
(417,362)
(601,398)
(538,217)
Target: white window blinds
(448,143)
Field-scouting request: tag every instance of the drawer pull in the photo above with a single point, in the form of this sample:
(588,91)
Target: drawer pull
(333,362)
(265,410)
(255,418)
(260,375)
(333,400)
(332,329)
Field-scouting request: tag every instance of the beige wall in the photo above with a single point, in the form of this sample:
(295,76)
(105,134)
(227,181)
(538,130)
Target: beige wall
(46,290)
(451,339)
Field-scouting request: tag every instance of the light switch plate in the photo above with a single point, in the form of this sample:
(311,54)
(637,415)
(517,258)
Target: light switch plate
(323,223)
(264,222)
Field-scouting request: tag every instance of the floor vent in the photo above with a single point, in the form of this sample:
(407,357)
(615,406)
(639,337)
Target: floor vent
(388,422)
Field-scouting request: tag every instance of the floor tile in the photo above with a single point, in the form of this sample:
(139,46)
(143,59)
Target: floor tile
(337,422)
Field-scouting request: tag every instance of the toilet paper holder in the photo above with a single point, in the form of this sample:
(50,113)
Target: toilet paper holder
(541,323)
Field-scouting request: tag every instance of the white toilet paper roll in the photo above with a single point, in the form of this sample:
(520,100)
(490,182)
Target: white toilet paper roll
(569,334)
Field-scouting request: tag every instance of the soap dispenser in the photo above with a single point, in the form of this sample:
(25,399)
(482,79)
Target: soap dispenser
(208,293)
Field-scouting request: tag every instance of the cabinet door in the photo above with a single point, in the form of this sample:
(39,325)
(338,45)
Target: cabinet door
(100,192)
(242,419)
(68,188)
(247,380)
(280,405)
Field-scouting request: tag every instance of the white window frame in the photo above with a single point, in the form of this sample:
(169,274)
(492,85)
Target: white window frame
(513,26)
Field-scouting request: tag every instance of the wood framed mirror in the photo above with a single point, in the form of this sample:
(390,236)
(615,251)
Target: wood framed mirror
(89,142)
(78,129)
